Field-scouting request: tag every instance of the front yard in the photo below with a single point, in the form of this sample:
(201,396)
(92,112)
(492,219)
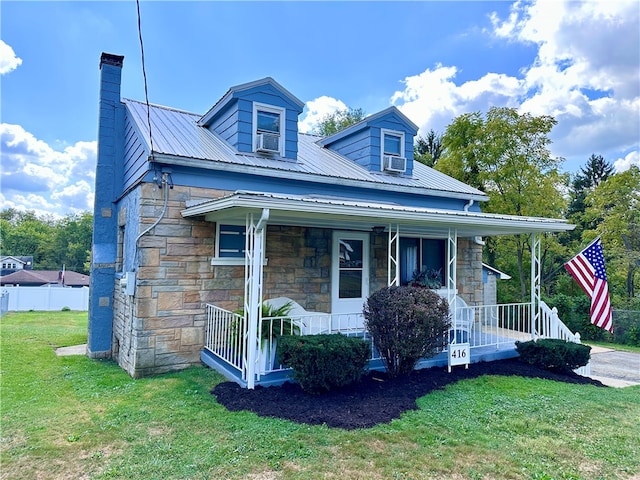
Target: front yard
(72,417)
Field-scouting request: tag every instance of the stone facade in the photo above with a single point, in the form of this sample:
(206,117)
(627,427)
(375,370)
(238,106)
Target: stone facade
(161,328)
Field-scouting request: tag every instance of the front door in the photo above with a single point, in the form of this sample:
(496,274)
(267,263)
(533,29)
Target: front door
(350,277)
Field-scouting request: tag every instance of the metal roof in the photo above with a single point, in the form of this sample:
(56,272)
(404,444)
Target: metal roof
(334,212)
(178,139)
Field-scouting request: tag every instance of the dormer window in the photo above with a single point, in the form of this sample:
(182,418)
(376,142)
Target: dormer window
(393,159)
(269,128)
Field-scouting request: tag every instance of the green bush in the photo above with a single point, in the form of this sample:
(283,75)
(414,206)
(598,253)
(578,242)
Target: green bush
(323,362)
(406,324)
(554,354)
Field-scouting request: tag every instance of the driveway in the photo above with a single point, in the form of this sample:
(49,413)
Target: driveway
(615,368)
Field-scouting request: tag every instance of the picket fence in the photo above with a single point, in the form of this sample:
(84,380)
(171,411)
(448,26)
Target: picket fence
(47,298)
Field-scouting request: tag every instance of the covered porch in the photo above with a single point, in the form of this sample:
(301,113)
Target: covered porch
(243,345)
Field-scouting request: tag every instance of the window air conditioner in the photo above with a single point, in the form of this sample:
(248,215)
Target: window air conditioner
(268,142)
(391,163)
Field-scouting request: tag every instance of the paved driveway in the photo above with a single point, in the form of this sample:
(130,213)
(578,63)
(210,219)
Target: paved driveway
(614,367)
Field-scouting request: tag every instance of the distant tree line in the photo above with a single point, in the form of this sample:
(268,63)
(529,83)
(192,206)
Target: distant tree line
(52,242)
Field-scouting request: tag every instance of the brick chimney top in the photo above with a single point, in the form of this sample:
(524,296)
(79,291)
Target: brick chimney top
(111,59)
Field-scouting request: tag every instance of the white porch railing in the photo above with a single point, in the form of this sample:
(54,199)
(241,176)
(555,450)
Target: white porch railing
(492,326)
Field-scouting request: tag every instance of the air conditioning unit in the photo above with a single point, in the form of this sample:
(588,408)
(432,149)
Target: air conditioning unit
(268,142)
(391,163)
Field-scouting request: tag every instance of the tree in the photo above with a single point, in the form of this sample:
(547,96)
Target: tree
(338,120)
(428,149)
(506,154)
(596,171)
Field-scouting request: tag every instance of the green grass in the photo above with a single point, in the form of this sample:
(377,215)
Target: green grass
(73,417)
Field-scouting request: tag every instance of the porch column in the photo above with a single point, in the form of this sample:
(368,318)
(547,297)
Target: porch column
(452,256)
(253,272)
(393,265)
(535,284)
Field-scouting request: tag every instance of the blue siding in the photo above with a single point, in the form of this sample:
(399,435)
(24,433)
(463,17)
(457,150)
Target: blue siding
(233,122)
(242,181)
(135,155)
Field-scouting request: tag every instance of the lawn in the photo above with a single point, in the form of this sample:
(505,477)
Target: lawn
(73,417)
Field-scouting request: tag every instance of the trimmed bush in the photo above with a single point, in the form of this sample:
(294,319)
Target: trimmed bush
(323,362)
(406,324)
(554,354)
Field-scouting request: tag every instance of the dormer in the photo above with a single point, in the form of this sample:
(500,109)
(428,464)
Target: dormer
(259,117)
(381,143)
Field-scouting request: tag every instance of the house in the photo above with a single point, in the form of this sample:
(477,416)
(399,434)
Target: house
(39,278)
(12,264)
(199,215)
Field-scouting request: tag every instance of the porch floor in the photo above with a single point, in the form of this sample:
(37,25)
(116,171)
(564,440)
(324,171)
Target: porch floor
(503,348)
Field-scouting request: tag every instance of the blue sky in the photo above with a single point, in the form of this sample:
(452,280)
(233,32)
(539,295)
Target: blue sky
(577,61)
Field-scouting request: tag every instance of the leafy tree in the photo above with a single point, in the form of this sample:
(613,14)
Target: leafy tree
(338,120)
(52,242)
(428,149)
(506,154)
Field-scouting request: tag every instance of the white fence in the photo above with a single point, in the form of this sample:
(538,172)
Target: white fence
(48,298)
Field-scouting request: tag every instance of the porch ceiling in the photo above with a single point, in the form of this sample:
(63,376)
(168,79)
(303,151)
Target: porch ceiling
(347,214)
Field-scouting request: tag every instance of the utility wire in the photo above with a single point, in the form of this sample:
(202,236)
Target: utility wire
(144,76)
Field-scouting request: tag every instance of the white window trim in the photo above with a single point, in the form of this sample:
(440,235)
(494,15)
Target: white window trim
(263,107)
(396,133)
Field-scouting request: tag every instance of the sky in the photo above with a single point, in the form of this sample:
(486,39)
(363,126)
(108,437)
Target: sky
(576,61)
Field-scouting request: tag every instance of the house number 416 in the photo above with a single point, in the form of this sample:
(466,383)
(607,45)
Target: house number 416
(459,354)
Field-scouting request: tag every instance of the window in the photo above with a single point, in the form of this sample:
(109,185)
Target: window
(422,255)
(231,241)
(268,132)
(392,144)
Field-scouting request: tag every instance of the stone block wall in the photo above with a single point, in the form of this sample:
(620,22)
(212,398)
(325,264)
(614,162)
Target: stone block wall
(469,271)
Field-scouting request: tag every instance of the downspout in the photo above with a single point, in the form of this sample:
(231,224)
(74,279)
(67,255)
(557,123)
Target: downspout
(255,298)
(468,205)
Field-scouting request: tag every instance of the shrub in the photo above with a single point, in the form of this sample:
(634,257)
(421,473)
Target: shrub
(406,324)
(66,309)
(324,362)
(554,354)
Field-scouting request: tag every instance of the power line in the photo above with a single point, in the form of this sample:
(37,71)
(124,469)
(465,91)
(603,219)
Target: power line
(144,76)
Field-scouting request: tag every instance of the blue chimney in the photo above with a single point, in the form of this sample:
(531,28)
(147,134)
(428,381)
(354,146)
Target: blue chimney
(103,262)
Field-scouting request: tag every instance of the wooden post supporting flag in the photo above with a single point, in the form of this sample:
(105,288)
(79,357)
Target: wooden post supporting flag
(587,268)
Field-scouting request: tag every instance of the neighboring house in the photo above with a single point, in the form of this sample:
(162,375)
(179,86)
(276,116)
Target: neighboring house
(12,264)
(199,215)
(490,276)
(39,278)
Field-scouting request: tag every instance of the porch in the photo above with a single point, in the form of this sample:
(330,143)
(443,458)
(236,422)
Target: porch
(490,336)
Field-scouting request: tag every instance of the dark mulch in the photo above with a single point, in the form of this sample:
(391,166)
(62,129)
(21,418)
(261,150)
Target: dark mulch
(375,399)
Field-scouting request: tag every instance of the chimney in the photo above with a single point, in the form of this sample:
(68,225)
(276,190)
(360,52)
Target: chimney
(107,188)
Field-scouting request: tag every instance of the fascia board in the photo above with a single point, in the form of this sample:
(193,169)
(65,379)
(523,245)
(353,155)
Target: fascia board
(501,223)
(308,177)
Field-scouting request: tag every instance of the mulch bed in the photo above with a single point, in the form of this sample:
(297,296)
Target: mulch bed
(375,399)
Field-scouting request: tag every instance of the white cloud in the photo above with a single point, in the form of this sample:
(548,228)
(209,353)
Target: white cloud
(317,109)
(9,61)
(624,164)
(585,74)
(37,177)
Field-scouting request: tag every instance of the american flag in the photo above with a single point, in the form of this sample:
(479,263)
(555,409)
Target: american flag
(587,268)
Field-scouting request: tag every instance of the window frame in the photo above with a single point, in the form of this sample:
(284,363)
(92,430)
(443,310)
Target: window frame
(230,260)
(262,107)
(420,258)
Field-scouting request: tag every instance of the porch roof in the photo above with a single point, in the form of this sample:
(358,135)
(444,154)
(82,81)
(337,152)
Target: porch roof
(342,213)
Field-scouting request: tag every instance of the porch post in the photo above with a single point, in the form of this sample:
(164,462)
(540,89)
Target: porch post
(253,271)
(393,279)
(452,255)
(535,284)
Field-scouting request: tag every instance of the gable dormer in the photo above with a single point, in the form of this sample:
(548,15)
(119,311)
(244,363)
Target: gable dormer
(258,117)
(381,143)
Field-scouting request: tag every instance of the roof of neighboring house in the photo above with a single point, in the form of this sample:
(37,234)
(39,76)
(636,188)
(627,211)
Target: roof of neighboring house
(177,135)
(23,260)
(496,272)
(45,277)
